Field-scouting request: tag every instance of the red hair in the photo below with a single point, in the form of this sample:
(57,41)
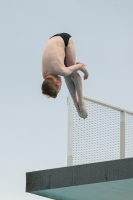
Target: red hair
(49,88)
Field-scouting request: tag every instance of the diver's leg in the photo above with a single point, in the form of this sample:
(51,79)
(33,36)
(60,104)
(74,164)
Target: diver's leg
(71,60)
(73,93)
(78,85)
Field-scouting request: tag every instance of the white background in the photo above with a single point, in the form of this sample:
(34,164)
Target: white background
(33,129)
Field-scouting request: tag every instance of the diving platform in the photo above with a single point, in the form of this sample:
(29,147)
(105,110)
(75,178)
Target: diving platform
(108,180)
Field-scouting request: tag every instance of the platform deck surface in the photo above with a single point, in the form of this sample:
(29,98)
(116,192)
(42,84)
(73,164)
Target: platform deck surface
(111,180)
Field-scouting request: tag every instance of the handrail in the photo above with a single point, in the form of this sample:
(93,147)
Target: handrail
(122,126)
(108,105)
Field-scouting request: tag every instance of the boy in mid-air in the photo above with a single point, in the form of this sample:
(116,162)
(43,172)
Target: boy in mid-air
(59,59)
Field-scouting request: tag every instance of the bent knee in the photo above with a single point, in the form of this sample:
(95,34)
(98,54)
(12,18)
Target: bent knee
(75,75)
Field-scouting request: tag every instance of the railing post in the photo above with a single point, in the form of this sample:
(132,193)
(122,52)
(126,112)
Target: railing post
(122,134)
(70,130)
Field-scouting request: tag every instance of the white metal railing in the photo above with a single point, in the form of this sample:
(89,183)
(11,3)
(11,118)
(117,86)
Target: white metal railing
(74,148)
(107,105)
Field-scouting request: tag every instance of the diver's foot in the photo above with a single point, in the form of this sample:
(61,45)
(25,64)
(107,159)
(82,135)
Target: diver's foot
(83,110)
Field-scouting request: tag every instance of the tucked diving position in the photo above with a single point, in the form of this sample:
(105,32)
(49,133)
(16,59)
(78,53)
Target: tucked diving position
(59,59)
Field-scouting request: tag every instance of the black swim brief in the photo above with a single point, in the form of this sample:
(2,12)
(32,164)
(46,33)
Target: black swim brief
(64,36)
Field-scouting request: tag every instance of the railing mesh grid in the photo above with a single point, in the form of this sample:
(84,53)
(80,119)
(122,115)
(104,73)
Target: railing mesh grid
(97,138)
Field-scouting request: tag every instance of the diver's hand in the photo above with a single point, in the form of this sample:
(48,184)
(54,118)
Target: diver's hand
(84,70)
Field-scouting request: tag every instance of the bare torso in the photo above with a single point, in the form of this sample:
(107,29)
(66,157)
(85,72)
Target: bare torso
(53,56)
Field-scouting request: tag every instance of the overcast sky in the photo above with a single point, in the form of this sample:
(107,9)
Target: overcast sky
(33,129)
